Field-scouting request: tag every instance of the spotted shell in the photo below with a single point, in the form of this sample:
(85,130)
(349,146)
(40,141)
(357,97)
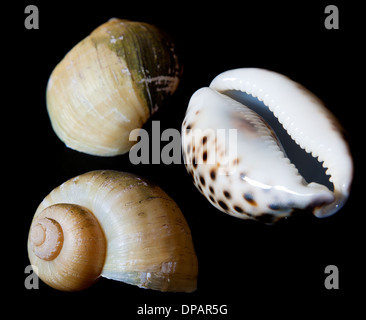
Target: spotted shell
(237,160)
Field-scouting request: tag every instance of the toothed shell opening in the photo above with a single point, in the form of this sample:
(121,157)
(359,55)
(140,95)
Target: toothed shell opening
(269,183)
(309,166)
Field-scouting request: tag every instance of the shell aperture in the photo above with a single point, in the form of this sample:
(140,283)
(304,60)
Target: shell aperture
(258,180)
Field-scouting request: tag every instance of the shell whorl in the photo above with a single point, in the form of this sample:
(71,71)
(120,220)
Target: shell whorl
(46,238)
(67,246)
(148,241)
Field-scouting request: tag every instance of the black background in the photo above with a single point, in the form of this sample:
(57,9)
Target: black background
(250,267)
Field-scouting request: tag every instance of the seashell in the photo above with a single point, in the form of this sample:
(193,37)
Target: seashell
(111,83)
(116,225)
(257,180)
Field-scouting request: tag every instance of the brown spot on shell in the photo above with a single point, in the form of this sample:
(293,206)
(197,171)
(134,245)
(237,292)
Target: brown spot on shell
(249,198)
(194,163)
(227,194)
(212,199)
(236,161)
(202,180)
(199,187)
(275,206)
(222,204)
(213,174)
(238,209)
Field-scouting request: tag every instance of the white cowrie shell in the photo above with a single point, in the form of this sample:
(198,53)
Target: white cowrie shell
(264,184)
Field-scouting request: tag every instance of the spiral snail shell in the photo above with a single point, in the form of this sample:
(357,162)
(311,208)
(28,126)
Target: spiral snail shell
(116,225)
(109,84)
(250,177)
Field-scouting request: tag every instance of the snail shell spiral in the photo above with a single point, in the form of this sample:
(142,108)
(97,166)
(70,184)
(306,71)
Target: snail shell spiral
(116,225)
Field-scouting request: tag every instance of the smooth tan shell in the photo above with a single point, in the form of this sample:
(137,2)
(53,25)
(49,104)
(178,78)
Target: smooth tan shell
(81,249)
(149,243)
(109,84)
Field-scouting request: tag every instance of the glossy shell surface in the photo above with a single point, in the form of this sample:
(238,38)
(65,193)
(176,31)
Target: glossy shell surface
(237,161)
